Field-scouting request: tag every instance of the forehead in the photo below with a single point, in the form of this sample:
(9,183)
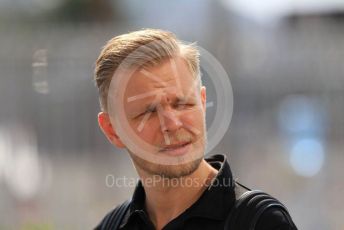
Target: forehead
(171,79)
(171,73)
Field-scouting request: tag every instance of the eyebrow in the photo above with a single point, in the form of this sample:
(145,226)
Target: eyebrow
(143,95)
(153,104)
(145,106)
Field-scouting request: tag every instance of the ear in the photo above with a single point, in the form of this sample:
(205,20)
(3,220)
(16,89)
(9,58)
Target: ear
(108,130)
(203,97)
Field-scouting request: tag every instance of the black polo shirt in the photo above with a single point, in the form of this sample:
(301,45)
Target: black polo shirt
(208,212)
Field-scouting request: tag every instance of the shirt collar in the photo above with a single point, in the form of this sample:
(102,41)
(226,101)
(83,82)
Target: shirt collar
(218,196)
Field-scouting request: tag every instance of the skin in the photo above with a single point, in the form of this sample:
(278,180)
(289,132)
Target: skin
(181,106)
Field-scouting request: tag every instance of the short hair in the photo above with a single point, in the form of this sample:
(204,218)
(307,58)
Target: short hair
(142,48)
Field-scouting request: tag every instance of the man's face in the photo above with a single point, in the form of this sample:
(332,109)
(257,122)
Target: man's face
(165,107)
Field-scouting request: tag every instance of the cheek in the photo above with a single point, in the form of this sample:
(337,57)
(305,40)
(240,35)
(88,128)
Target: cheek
(148,131)
(194,119)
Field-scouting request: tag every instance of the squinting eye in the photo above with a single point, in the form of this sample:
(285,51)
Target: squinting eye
(149,110)
(184,105)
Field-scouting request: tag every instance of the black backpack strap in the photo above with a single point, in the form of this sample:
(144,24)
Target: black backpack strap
(250,206)
(114,218)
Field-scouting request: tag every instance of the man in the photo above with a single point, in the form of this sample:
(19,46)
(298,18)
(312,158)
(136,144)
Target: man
(153,104)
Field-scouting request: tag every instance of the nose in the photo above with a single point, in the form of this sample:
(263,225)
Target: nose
(169,119)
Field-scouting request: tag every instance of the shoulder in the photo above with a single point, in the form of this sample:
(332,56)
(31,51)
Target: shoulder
(113,217)
(275,219)
(264,211)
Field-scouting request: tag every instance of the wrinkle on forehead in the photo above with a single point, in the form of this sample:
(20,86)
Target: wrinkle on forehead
(164,79)
(160,76)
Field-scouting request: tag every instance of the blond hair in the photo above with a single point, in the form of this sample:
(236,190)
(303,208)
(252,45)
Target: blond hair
(141,48)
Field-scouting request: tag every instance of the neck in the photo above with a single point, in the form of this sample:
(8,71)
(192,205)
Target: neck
(168,198)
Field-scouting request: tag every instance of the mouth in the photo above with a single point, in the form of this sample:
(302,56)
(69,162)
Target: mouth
(176,150)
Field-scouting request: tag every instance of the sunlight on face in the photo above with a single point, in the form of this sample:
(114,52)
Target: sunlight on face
(164,106)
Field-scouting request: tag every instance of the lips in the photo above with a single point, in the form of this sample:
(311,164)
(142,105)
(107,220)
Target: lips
(177,150)
(175,146)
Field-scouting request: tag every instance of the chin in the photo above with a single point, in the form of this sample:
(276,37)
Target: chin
(177,171)
(167,171)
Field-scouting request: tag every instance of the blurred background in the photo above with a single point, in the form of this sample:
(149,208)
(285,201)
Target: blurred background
(285,62)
